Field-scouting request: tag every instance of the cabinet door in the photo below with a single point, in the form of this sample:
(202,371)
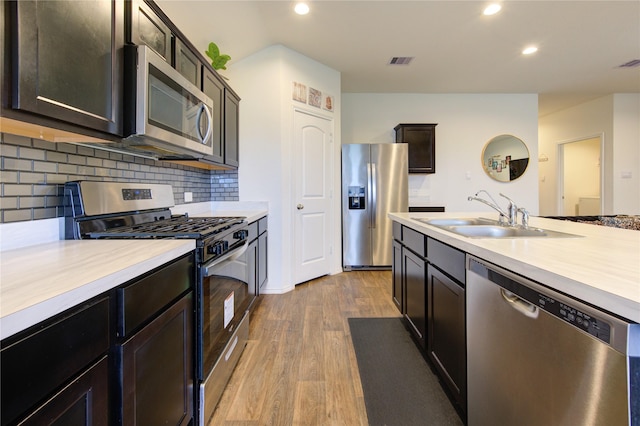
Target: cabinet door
(422,146)
(262,261)
(415,281)
(157,372)
(396,289)
(231,110)
(213,88)
(187,63)
(252,260)
(447,336)
(39,362)
(146,28)
(68,61)
(83,402)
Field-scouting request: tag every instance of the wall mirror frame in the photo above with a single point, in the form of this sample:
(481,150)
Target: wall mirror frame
(505,158)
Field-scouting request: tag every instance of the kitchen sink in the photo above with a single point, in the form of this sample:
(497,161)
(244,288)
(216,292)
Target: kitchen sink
(487,228)
(497,231)
(458,221)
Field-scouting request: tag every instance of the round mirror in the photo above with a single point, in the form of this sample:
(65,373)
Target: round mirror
(505,158)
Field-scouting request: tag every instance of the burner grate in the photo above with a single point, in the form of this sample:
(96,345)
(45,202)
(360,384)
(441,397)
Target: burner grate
(175,227)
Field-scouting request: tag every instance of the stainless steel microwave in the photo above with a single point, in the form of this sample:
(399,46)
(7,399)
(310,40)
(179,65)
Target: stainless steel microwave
(165,114)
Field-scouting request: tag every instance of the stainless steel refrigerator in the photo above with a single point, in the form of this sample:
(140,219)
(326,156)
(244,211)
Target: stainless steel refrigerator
(374,183)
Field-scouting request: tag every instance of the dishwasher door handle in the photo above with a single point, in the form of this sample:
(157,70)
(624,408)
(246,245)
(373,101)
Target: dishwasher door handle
(526,308)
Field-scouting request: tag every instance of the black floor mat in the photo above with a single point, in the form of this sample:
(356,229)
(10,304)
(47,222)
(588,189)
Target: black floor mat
(399,387)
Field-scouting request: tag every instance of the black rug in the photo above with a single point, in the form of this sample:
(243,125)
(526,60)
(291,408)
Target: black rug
(399,387)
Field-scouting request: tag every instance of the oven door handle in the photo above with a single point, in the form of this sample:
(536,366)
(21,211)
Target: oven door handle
(227,257)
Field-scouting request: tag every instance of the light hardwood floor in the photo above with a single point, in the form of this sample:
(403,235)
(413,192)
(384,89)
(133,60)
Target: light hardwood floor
(299,367)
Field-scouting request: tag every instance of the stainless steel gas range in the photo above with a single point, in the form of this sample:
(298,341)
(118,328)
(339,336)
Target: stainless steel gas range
(224,293)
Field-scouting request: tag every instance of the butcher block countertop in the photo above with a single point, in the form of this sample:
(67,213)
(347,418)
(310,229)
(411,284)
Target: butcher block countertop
(601,266)
(39,281)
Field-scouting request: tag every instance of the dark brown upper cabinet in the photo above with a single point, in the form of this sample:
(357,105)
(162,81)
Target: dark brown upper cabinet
(231,137)
(187,63)
(67,61)
(213,87)
(147,28)
(422,146)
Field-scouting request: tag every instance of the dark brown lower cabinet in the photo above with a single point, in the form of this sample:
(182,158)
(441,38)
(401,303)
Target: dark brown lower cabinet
(58,369)
(85,401)
(396,289)
(415,273)
(157,372)
(447,339)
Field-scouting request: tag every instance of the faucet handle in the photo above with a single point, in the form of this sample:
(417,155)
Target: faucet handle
(525,217)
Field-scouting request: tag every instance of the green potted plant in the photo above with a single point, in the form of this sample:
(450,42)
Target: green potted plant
(218,61)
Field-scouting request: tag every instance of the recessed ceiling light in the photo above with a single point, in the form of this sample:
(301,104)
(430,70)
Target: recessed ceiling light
(301,8)
(492,9)
(529,50)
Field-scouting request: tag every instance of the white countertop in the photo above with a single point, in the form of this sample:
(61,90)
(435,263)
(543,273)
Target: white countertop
(40,281)
(601,267)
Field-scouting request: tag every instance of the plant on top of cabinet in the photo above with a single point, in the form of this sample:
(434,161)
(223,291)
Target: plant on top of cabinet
(218,61)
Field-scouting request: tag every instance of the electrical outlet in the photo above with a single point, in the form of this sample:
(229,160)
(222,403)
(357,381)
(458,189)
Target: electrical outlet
(188,197)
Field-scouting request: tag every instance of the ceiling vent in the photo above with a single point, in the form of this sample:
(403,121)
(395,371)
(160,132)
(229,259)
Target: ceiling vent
(631,64)
(401,60)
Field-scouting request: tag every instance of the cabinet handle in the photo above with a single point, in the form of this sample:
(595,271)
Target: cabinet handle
(300,206)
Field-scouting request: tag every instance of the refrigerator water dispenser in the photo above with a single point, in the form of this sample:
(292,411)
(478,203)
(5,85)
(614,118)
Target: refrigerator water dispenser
(356,198)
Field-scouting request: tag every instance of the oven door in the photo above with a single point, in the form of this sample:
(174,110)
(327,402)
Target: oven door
(225,296)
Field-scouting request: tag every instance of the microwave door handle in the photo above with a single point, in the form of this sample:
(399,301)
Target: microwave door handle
(207,134)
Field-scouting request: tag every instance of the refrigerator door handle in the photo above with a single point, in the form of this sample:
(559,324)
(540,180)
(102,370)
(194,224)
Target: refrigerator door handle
(369,194)
(374,194)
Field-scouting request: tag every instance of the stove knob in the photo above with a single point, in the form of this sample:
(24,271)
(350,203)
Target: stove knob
(241,234)
(216,248)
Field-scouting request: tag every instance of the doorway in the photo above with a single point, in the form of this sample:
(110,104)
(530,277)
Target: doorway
(580,183)
(313,181)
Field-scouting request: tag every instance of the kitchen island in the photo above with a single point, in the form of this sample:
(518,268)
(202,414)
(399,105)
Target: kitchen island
(599,266)
(485,300)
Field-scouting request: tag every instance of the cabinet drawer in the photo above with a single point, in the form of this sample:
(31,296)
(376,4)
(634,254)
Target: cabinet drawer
(397,231)
(262,225)
(447,259)
(41,361)
(141,300)
(253,231)
(415,241)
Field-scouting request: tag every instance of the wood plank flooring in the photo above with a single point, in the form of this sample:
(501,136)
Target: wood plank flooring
(299,367)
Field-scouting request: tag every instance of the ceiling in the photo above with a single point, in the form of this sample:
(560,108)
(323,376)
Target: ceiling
(456,48)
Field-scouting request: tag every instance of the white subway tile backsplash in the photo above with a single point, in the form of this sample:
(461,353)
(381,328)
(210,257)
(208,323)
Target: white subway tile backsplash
(33,173)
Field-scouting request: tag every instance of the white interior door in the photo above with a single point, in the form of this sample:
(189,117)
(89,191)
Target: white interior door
(581,177)
(312,140)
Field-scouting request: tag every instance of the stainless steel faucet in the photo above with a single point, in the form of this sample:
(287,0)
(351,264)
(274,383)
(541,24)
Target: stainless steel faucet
(510,215)
(493,204)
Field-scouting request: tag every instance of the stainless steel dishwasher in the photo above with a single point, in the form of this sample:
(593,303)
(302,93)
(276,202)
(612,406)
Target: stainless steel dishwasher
(537,357)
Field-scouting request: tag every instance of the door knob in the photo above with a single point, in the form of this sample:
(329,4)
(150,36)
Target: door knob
(300,206)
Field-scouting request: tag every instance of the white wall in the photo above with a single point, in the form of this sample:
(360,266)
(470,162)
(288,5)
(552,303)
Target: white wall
(626,154)
(615,118)
(466,122)
(264,83)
